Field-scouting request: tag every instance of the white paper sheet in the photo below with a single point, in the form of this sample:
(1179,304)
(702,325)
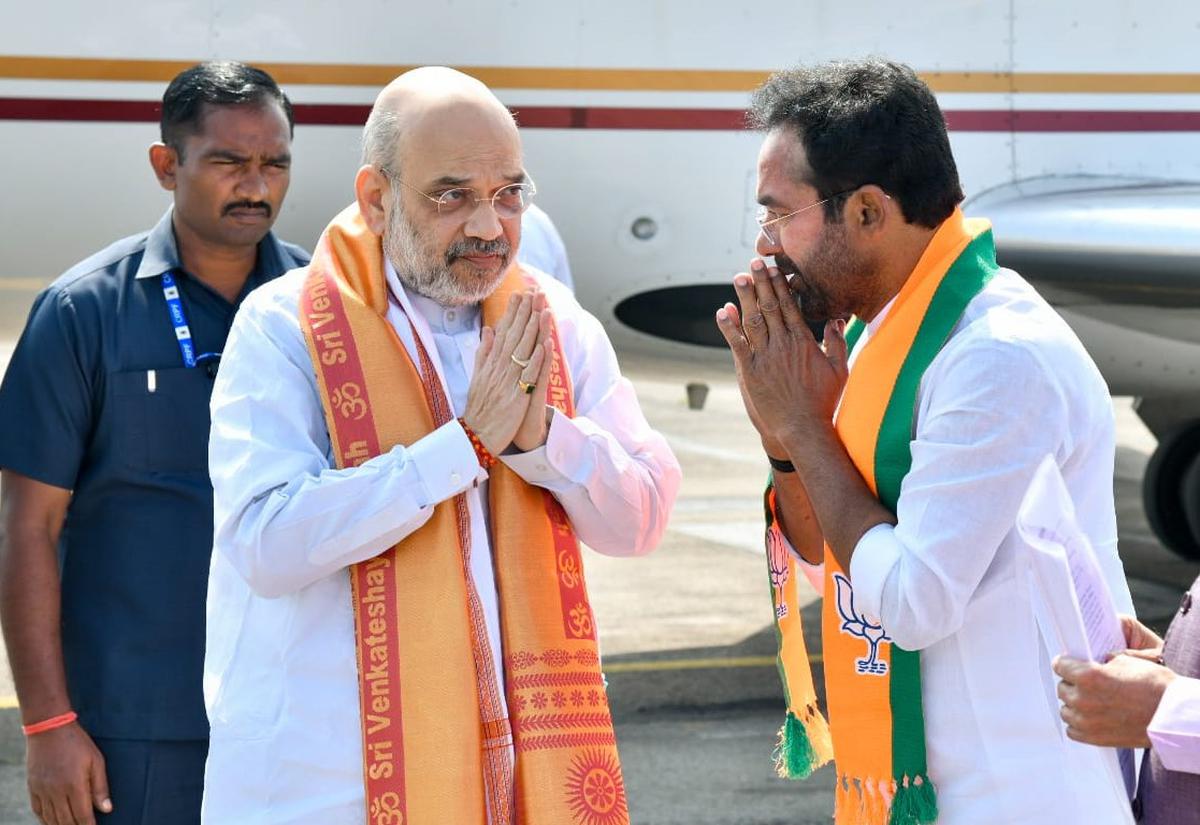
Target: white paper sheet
(1071,598)
(1067,572)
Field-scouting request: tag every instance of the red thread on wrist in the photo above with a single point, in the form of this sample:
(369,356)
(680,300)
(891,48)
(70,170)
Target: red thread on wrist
(60,721)
(486,459)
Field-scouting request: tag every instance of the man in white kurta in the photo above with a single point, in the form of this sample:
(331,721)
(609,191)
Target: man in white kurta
(857,183)
(281,682)
(1011,386)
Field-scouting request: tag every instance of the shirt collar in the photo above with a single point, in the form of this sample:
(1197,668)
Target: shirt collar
(272,259)
(449,320)
(162,253)
(879,316)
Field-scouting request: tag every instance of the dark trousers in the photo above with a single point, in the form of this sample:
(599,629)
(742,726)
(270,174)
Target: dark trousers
(154,783)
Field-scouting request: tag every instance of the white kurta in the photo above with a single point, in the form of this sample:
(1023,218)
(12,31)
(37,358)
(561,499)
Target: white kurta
(542,247)
(1012,385)
(280,677)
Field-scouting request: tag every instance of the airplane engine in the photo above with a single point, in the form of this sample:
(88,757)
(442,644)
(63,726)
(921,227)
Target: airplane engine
(1120,260)
(679,313)
(1171,490)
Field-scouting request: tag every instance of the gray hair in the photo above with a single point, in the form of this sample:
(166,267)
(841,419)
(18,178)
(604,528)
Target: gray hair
(381,139)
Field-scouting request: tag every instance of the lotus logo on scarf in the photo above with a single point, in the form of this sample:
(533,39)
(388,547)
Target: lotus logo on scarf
(856,624)
(779,565)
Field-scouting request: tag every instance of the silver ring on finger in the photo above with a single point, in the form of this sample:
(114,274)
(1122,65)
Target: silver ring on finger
(519,362)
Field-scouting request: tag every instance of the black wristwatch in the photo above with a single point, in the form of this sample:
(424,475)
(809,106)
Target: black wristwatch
(781,465)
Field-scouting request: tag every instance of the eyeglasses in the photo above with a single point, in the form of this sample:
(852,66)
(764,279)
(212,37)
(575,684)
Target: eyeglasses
(764,217)
(764,214)
(507,202)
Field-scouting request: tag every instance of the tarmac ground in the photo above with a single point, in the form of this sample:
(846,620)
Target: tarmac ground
(686,632)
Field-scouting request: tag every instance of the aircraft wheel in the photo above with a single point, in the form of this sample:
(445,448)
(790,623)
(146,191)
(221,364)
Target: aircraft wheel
(1171,491)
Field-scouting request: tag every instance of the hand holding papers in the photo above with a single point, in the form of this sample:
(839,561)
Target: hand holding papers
(1082,620)
(1072,601)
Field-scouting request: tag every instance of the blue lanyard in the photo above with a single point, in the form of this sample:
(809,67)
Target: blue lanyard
(183,333)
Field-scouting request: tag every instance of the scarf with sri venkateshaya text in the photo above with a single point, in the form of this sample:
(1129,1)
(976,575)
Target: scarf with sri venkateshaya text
(437,744)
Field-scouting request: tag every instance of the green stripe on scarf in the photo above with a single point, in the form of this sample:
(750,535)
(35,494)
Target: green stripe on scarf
(854,331)
(893,459)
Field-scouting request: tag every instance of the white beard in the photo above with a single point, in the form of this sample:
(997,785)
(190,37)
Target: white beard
(421,269)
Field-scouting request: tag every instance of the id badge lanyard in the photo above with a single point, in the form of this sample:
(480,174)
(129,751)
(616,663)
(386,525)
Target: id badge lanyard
(183,333)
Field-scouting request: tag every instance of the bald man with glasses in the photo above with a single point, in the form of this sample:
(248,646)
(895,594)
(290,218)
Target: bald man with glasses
(410,439)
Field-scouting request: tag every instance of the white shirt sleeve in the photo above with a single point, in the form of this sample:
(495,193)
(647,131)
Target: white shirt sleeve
(280,508)
(994,412)
(1175,729)
(614,475)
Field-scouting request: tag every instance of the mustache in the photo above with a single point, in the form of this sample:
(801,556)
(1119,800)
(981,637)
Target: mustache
(788,269)
(471,246)
(263,206)
(786,266)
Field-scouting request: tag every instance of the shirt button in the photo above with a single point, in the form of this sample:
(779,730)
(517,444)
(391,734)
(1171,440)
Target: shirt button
(450,316)
(455,477)
(542,467)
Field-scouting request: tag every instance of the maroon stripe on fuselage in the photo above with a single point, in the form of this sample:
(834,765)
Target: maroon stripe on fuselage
(53,108)
(627,118)
(1068,120)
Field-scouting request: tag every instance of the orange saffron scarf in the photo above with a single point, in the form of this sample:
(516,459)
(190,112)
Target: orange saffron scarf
(876,728)
(436,740)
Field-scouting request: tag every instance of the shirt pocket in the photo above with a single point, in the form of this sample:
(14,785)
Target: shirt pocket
(161,419)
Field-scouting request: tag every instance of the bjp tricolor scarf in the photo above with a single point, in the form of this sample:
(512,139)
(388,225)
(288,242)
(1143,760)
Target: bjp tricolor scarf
(876,729)
(436,738)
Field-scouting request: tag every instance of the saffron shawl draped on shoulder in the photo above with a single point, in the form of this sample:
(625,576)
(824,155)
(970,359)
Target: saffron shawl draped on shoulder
(876,728)
(437,746)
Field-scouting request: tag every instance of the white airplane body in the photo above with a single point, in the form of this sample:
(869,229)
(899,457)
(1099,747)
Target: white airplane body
(1076,128)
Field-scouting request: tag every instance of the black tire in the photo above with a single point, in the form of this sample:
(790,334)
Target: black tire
(1190,491)
(1171,490)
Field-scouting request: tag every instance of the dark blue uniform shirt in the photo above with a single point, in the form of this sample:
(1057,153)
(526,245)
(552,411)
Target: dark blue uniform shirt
(97,400)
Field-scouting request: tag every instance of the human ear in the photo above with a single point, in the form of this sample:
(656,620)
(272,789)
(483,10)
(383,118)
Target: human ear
(163,160)
(870,207)
(370,190)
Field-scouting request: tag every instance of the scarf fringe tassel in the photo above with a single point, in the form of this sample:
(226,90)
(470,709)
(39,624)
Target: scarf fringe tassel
(867,802)
(803,746)
(915,802)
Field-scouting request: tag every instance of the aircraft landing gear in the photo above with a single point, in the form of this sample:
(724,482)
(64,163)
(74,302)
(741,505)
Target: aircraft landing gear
(1171,490)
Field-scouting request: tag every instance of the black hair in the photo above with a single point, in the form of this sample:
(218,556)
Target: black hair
(215,83)
(869,121)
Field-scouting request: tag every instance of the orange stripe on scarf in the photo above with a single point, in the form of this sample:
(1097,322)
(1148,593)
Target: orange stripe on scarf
(860,713)
(875,716)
